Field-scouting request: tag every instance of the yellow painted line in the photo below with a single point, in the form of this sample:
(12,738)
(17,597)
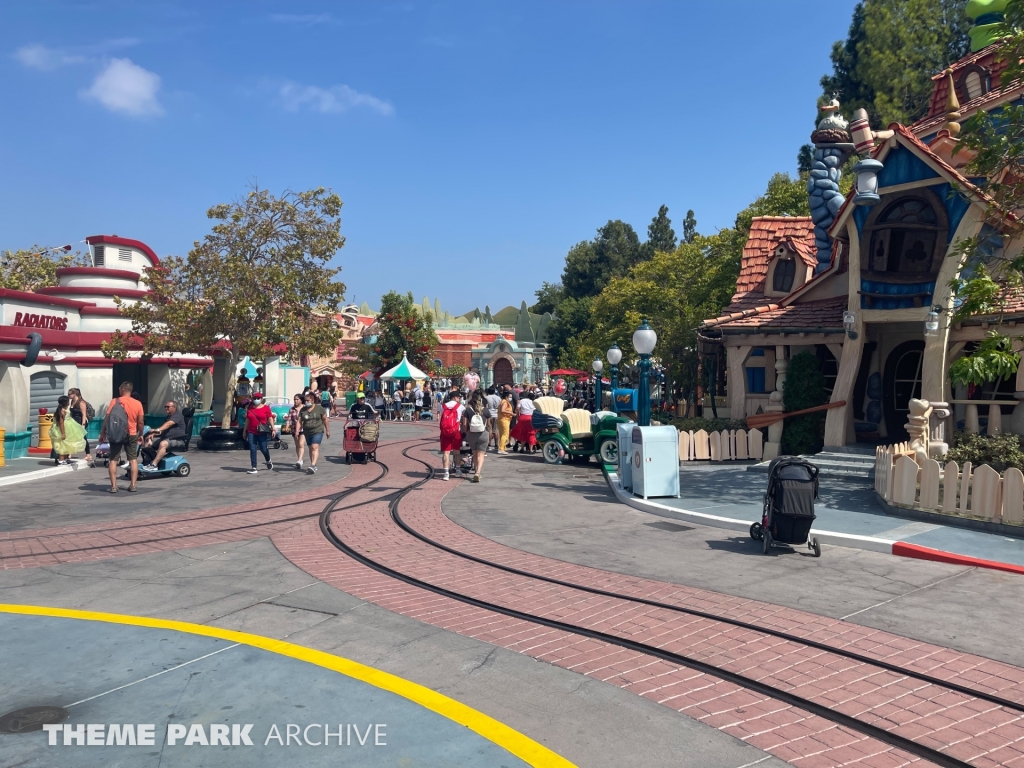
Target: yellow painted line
(505,737)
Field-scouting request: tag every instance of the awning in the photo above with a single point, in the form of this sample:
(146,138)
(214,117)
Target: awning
(404,370)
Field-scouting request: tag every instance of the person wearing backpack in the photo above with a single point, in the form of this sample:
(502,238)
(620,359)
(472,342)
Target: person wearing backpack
(474,427)
(122,426)
(451,431)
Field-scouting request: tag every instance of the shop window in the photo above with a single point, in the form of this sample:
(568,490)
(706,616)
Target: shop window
(905,237)
(755,381)
(785,272)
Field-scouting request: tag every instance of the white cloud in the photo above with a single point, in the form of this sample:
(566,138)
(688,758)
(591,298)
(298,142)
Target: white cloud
(37,56)
(337,98)
(126,87)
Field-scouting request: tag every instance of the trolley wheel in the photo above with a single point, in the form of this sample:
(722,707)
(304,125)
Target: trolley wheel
(815,546)
(610,452)
(183,470)
(756,533)
(766,542)
(551,451)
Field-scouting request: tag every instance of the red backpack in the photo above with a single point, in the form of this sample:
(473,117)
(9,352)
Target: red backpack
(450,421)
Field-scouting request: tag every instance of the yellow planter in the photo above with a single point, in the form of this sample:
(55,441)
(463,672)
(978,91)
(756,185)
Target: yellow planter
(45,422)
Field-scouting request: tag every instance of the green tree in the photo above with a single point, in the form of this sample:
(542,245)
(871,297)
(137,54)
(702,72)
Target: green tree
(891,51)
(675,291)
(804,388)
(27,270)
(993,275)
(259,281)
(660,235)
(589,265)
(549,297)
(689,227)
(403,330)
(572,319)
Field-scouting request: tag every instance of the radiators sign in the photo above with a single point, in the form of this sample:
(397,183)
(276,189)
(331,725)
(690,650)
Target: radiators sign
(32,320)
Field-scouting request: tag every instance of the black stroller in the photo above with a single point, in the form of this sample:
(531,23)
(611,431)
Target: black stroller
(788,505)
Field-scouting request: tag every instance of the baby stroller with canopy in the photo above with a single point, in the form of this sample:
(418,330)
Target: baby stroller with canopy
(788,505)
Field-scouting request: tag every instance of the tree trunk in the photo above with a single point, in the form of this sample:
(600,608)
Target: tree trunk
(229,392)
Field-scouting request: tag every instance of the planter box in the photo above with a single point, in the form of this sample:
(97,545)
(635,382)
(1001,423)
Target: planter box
(16,444)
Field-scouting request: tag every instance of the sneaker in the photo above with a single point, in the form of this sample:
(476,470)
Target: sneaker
(445,475)
(458,473)
(298,464)
(503,453)
(253,471)
(475,479)
(311,469)
(123,465)
(270,465)
(150,467)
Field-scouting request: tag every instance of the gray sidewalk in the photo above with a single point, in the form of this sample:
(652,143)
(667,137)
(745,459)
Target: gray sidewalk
(845,506)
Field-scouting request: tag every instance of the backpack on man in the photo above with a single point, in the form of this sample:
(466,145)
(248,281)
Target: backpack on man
(117,424)
(450,422)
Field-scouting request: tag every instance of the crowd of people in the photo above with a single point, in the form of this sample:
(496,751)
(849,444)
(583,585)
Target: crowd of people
(496,419)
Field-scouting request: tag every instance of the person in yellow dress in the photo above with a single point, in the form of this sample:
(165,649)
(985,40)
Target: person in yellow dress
(505,413)
(66,434)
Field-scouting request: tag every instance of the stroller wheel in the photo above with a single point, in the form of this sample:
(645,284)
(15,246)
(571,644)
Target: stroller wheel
(815,546)
(766,542)
(755,532)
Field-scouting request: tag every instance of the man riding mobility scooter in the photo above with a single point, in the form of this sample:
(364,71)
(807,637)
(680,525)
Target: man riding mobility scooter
(575,433)
(172,463)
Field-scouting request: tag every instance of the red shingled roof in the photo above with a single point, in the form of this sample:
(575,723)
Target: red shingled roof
(766,232)
(986,58)
(823,313)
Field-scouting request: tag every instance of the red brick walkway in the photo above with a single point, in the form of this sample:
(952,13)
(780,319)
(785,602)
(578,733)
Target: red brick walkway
(959,725)
(139,536)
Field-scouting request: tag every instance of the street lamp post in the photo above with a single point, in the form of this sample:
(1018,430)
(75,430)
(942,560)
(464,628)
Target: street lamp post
(644,339)
(614,356)
(598,366)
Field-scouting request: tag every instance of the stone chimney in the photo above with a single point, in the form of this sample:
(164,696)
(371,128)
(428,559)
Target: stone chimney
(832,147)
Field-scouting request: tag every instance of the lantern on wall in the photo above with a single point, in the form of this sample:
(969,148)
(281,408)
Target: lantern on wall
(867,181)
(849,324)
(931,322)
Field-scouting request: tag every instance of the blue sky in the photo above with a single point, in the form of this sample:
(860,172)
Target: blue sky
(472,142)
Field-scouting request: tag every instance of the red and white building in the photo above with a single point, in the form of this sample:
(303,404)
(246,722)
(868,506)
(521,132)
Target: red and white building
(74,318)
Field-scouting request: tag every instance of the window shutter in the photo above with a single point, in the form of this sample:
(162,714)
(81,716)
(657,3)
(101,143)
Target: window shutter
(124,254)
(98,255)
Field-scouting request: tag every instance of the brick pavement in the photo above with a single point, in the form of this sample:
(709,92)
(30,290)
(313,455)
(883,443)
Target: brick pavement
(161,533)
(959,725)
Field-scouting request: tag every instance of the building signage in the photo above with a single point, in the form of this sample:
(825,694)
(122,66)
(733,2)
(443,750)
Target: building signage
(32,320)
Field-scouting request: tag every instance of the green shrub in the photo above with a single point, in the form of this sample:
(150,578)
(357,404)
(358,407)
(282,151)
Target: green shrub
(708,425)
(998,451)
(804,388)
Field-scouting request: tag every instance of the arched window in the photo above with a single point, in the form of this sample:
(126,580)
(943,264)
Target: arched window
(973,82)
(785,272)
(906,237)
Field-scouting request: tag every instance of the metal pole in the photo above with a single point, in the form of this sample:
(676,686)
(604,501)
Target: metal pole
(615,385)
(597,392)
(643,406)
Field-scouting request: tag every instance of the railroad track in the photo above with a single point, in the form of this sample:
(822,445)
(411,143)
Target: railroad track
(197,517)
(890,737)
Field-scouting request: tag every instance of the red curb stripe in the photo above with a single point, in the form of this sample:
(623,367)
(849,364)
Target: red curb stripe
(938,556)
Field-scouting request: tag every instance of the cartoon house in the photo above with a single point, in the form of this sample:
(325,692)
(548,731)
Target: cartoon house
(864,282)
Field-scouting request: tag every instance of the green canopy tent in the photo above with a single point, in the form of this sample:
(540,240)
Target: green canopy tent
(403,371)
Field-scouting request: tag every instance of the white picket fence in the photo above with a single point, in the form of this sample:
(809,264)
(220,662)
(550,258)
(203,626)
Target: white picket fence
(980,493)
(731,445)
